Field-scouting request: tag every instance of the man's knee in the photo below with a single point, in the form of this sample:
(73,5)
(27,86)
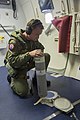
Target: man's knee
(21,89)
(20,92)
(47,59)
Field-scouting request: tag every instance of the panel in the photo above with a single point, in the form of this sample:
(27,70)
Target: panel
(5,2)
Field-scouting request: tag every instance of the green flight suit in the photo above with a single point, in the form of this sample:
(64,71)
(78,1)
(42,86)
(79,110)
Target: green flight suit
(18,61)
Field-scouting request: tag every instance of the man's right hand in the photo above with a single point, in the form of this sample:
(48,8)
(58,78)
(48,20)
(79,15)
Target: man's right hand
(37,52)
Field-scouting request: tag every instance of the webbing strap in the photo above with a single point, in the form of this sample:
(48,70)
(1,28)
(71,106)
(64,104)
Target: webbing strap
(59,112)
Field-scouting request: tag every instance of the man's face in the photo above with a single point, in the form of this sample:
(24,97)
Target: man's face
(35,34)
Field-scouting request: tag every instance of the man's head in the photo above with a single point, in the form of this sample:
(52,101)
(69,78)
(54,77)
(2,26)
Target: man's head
(34,29)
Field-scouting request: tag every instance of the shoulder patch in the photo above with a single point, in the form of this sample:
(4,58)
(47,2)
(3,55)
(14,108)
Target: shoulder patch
(11,46)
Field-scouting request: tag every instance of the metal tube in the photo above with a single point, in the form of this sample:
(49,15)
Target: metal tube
(41,76)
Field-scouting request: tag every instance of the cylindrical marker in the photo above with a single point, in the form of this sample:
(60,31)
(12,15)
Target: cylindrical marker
(41,76)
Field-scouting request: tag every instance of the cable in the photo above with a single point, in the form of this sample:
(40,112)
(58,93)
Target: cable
(66,63)
(5,30)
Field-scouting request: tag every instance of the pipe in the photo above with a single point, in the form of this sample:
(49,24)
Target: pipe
(5,30)
(41,76)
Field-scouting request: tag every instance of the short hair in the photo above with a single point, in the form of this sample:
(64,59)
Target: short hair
(32,24)
(35,22)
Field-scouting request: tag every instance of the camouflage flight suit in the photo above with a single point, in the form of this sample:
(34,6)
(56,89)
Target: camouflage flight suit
(18,61)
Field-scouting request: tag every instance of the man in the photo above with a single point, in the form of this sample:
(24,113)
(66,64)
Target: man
(23,47)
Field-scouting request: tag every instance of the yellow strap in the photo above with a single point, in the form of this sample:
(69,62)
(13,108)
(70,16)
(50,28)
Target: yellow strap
(38,101)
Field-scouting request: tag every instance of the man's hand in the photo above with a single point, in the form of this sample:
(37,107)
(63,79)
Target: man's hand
(37,52)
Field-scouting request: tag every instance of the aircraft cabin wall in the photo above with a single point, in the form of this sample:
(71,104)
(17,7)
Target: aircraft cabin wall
(58,60)
(10,24)
(29,9)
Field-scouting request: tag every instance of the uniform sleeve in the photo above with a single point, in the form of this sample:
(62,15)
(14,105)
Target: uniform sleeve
(15,57)
(39,45)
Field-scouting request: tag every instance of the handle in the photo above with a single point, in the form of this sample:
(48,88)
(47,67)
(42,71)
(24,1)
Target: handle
(63,6)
